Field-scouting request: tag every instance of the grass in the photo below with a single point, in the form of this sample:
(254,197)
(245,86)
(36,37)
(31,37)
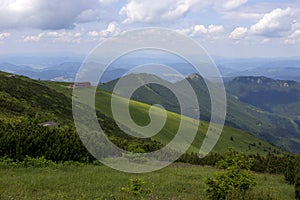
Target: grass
(53,97)
(273,123)
(230,137)
(178,181)
(99,182)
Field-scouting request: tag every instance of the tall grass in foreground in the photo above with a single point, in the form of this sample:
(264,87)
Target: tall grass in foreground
(88,181)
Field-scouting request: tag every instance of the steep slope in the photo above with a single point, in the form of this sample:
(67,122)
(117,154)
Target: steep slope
(21,96)
(276,96)
(272,127)
(230,137)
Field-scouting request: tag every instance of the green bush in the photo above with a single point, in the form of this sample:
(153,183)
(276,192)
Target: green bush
(36,162)
(236,180)
(7,162)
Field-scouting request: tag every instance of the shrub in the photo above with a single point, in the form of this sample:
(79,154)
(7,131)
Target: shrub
(36,162)
(236,180)
(136,187)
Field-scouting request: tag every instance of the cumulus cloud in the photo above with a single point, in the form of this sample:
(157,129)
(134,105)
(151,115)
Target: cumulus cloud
(40,14)
(276,23)
(4,35)
(107,2)
(151,11)
(111,30)
(238,33)
(62,36)
(197,30)
(232,4)
(293,38)
(201,30)
(215,29)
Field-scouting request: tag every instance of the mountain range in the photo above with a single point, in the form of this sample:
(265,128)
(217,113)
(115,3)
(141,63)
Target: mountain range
(65,68)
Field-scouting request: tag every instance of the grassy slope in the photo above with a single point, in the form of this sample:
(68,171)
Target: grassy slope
(21,96)
(44,96)
(272,127)
(241,139)
(100,182)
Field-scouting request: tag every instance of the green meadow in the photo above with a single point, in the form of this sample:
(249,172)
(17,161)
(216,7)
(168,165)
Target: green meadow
(176,182)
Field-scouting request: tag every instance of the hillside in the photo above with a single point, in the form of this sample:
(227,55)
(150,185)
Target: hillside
(55,98)
(275,96)
(273,127)
(21,96)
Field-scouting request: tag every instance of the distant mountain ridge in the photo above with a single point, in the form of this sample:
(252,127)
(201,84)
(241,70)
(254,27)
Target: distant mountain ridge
(275,96)
(64,68)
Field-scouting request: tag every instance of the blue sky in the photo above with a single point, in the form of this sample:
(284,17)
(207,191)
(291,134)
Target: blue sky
(229,28)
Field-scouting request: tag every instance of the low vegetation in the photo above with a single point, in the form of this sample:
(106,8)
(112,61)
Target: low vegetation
(38,162)
(235,182)
(73,180)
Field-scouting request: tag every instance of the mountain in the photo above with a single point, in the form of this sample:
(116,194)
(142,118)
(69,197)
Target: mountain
(276,96)
(21,96)
(273,127)
(62,72)
(279,97)
(64,68)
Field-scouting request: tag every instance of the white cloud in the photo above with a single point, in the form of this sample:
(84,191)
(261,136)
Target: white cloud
(34,38)
(233,4)
(107,2)
(4,35)
(62,36)
(238,33)
(93,34)
(198,30)
(215,29)
(276,23)
(293,38)
(151,11)
(41,14)
(111,30)
(201,30)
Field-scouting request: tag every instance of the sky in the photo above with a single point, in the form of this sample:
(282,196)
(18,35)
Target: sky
(227,28)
